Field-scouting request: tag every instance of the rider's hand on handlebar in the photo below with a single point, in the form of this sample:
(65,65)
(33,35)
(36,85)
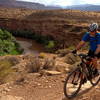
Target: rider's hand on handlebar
(74,51)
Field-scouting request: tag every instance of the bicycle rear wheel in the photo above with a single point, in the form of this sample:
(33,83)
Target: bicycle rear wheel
(72,84)
(95,78)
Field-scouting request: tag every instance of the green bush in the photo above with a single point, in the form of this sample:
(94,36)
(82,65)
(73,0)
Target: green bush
(72,47)
(8,43)
(50,44)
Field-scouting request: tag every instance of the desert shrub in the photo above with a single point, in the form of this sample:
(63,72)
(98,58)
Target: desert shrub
(49,64)
(12,59)
(50,44)
(5,70)
(42,55)
(33,66)
(72,47)
(8,43)
(71,59)
(63,52)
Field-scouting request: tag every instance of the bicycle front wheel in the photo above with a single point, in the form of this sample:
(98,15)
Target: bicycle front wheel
(72,84)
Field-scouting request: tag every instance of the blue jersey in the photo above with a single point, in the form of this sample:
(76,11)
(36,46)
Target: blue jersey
(94,41)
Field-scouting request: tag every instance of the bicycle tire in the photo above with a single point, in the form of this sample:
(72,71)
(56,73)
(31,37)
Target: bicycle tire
(96,82)
(91,68)
(65,84)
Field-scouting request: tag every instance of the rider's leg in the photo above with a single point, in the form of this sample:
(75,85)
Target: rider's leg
(94,60)
(96,66)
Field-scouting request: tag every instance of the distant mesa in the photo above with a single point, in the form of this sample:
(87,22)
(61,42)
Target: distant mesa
(85,7)
(32,5)
(21,4)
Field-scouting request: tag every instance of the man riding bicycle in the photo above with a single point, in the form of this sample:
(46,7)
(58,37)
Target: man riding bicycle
(93,37)
(87,69)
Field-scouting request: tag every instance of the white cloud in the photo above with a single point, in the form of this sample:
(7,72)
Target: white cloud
(52,2)
(61,2)
(64,2)
(90,1)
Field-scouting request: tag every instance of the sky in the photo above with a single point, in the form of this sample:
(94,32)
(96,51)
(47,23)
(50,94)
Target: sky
(65,2)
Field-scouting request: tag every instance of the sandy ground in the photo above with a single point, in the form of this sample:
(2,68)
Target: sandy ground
(51,88)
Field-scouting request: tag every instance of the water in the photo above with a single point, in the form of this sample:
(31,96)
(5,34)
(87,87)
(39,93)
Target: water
(30,46)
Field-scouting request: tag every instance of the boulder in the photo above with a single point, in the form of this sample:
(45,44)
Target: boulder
(62,52)
(52,72)
(71,59)
(61,67)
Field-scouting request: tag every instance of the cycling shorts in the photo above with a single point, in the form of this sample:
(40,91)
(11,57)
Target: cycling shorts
(91,54)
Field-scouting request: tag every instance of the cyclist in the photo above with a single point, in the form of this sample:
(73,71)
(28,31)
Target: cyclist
(93,37)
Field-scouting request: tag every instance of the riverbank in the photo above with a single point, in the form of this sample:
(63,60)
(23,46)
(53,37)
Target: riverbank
(30,46)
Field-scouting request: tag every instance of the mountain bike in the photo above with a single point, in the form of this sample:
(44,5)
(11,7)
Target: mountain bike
(84,72)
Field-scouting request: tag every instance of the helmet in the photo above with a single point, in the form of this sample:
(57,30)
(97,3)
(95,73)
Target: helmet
(93,27)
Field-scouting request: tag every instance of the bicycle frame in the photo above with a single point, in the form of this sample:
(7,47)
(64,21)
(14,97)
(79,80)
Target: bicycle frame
(77,76)
(85,68)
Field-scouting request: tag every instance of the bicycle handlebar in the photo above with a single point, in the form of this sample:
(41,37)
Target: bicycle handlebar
(84,56)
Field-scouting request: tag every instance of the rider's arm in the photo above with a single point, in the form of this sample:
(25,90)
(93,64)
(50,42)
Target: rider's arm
(83,41)
(81,44)
(98,45)
(97,50)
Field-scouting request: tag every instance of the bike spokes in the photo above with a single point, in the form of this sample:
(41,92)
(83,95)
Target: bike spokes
(95,77)
(72,84)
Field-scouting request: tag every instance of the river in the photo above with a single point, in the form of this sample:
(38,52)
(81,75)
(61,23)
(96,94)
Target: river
(30,46)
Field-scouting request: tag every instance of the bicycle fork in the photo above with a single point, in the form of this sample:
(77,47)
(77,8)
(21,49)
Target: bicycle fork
(78,77)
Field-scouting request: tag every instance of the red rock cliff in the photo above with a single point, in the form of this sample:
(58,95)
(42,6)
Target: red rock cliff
(63,25)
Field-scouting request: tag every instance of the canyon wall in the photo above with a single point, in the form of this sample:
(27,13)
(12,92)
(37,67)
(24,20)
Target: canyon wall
(62,25)
(59,30)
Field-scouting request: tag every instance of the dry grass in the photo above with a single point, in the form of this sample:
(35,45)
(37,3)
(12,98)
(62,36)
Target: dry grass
(5,70)
(33,66)
(49,64)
